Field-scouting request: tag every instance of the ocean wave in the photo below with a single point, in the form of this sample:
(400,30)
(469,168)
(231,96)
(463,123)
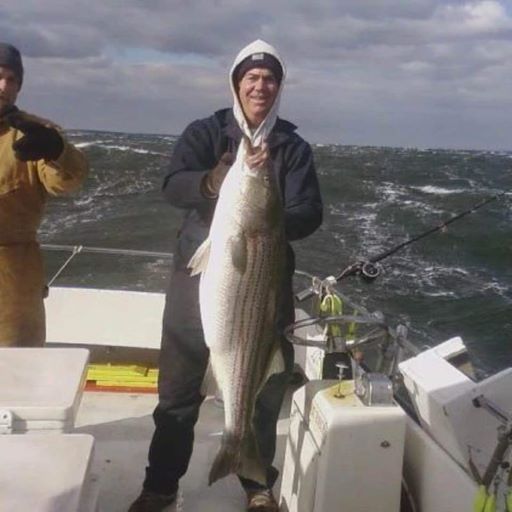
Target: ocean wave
(499,288)
(439,191)
(117,147)
(140,151)
(89,143)
(124,186)
(448,270)
(391,191)
(127,148)
(84,200)
(419,206)
(438,293)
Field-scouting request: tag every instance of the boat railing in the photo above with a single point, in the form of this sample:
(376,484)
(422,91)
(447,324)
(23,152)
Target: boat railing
(75,250)
(373,330)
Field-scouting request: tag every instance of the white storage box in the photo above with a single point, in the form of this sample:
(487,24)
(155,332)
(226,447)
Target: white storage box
(341,455)
(41,388)
(443,398)
(44,473)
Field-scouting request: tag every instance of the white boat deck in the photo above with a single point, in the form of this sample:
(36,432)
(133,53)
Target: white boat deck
(122,423)
(122,426)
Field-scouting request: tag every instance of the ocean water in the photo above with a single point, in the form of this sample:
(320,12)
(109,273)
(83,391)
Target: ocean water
(457,281)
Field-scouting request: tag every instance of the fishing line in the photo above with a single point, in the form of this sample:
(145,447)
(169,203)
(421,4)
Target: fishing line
(368,268)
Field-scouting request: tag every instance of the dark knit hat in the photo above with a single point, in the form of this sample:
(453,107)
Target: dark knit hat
(10,58)
(258,60)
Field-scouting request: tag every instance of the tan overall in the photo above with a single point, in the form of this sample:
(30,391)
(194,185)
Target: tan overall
(24,188)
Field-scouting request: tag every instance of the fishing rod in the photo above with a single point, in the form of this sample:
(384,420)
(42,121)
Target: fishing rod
(368,268)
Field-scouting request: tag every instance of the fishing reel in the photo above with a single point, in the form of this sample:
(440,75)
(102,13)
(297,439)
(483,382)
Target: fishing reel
(369,271)
(366,269)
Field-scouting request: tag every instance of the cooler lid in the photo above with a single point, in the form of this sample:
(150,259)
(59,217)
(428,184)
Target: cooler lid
(44,472)
(42,383)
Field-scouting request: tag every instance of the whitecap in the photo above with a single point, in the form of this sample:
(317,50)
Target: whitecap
(133,150)
(89,143)
(438,294)
(84,200)
(440,191)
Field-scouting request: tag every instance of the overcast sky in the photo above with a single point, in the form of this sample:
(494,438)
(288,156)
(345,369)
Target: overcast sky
(421,73)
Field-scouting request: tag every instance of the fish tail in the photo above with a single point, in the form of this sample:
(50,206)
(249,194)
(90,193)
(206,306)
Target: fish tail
(226,462)
(238,457)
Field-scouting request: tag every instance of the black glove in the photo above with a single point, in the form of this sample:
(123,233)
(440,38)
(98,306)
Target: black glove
(210,184)
(38,142)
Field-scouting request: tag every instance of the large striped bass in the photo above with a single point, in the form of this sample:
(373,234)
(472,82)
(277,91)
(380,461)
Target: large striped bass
(241,264)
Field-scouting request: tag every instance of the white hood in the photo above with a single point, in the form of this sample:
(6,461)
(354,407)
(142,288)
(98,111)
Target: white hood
(266,126)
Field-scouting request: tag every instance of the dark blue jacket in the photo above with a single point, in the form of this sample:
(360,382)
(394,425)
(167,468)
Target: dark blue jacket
(199,149)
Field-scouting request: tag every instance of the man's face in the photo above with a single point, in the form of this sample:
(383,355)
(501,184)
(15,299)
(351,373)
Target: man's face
(257,91)
(9,88)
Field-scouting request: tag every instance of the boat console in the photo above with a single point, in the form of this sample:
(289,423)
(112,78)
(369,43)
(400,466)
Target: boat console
(458,432)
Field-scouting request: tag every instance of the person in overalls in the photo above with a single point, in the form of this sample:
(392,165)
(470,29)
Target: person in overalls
(35,162)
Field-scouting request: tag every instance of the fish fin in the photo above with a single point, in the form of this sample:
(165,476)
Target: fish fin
(238,252)
(275,364)
(209,385)
(200,258)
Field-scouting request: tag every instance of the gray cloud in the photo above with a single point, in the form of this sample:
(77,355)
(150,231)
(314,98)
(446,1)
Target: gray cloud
(421,72)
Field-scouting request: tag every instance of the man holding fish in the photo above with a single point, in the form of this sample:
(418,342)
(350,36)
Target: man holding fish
(248,186)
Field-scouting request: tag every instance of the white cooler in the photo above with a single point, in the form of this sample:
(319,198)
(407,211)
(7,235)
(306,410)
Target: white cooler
(45,473)
(341,455)
(41,388)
